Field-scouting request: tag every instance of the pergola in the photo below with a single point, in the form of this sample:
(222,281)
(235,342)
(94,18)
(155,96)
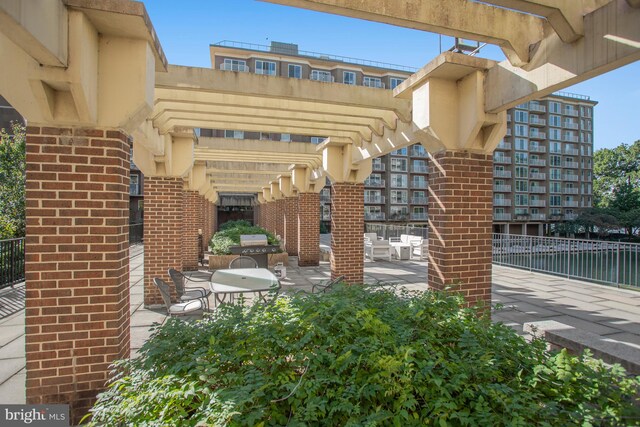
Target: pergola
(91,79)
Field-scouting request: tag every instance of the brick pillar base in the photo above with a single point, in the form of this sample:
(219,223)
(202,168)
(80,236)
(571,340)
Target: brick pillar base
(163,211)
(347,227)
(308,229)
(279,215)
(291,225)
(77,263)
(460,211)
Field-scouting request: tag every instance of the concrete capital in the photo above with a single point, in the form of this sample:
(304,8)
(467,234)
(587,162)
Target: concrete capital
(275,190)
(197,179)
(337,162)
(261,199)
(286,187)
(266,194)
(177,159)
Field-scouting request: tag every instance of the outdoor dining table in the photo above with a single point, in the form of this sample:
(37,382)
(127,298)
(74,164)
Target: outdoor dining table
(242,280)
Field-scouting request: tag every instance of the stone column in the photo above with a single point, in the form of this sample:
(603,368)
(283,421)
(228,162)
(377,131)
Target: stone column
(308,229)
(163,217)
(347,226)
(291,225)
(190,225)
(460,212)
(77,262)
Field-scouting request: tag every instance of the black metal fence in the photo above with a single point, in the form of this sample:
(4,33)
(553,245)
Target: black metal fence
(135,233)
(11,262)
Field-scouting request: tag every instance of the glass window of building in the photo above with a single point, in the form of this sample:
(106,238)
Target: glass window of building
(522,144)
(398,180)
(285,137)
(419,166)
(522,200)
(399,152)
(522,186)
(295,71)
(522,158)
(134,185)
(522,116)
(317,139)
(349,78)
(372,82)
(555,134)
(555,200)
(374,178)
(373,210)
(522,172)
(554,120)
(266,67)
(234,65)
(394,81)
(398,165)
(235,134)
(555,161)
(321,75)
(399,196)
(522,130)
(372,196)
(524,106)
(555,107)
(398,212)
(555,174)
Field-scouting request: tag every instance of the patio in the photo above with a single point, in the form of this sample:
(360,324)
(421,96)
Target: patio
(526,297)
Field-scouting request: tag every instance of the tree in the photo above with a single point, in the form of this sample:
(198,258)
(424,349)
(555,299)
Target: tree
(602,220)
(616,183)
(12,181)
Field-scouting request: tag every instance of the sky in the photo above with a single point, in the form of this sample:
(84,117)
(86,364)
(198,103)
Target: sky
(186,28)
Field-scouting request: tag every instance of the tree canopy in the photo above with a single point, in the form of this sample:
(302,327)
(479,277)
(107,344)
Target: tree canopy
(12,181)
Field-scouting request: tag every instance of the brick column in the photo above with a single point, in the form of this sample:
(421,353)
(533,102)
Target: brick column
(460,212)
(206,224)
(77,263)
(279,217)
(271,217)
(347,226)
(190,224)
(163,212)
(214,217)
(291,225)
(308,229)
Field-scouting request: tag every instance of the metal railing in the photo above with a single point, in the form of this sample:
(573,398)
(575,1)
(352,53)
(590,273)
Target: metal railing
(11,262)
(591,260)
(386,231)
(136,233)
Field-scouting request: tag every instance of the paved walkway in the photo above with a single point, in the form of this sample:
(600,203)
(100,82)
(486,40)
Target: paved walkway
(525,297)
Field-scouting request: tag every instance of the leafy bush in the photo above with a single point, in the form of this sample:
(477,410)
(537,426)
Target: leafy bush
(229,236)
(359,357)
(233,224)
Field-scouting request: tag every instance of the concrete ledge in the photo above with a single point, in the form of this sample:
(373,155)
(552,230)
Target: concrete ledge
(222,261)
(559,335)
(325,252)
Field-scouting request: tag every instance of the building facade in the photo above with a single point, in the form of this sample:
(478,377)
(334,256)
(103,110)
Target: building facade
(542,168)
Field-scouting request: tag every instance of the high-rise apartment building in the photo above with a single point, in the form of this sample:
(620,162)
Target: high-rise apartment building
(542,168)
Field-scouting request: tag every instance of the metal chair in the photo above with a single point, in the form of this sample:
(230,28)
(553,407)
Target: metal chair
(177,309)
(326,285)
(191,293)
(243,262)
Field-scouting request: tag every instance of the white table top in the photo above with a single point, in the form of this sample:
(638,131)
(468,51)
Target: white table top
(238,280)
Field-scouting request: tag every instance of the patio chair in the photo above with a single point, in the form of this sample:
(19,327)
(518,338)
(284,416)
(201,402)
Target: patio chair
(243,262)
(177,309)
(377,249)
(326,285)
(191,293)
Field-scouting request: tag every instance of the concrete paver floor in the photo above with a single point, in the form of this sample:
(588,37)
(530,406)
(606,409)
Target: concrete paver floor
(524,296)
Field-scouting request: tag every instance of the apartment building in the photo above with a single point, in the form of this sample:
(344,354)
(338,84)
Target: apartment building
(542,168)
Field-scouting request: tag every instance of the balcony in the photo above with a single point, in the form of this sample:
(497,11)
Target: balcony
(534,121)
(537,107)
(571,151)
(322,78)
(503,160)
(570,203)
(537,175)
(379,183)
(419,168)
(508,118)
(570,191)
(586,191)
(502,202)
(570,217)
(570,177)
(538,189)
(419,184)
(570,125)
(373,83)
(537,162)
(538,203)
(234,67)
(419,200)
(537,149)
(573,165)
(374,216)
(502,188)
(538,135)
(570,138)
(555,150)
(573,113)
(501,174)
(538,217)
(419,216)
(502,217)
(380,167)
(418,152)
(504,146)
(508,131)
(377,200)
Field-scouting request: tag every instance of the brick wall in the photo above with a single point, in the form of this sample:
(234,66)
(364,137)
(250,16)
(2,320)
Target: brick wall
(77,263)
(279,217)
(460,212)
(163,213)
(271,217)
(291,225)
(190,224)
(347,227)
(308,229)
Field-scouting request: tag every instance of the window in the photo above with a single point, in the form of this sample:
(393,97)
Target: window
(522,172)
(554,120)
(266,67)
(555,174)
(522,158)
(555,107)
(326,212)
(372,82)
(399,196)
(522,116)
(295,71)
(400,152)
(522,211)
(521,144)
(522,186)
(555,200)
(522,200)
(554,134)
(522,130)
(419,166)
(418,181)
(234,65)
(235,134)
(555,161)
(264,136)
(317,139)
(398,212)
(349,78)
(394,82)
(398,165)
(134,185)
(372,196)
(321,76)
(285,137)
(398,180)
(374,178)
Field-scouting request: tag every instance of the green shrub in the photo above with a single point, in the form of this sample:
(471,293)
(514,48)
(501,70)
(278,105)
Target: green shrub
(230,235)
(358,357)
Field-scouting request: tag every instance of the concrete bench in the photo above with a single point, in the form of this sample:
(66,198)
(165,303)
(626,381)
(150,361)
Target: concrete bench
(325,253)
(559,335)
